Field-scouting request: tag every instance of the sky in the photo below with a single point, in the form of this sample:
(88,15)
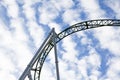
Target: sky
(92,54)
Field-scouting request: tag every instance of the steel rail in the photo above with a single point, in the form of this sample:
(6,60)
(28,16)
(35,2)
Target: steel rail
(36,63)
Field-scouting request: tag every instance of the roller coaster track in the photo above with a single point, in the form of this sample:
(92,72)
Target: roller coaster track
(37,61)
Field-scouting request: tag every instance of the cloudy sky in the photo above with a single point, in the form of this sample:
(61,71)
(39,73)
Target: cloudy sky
(87,55)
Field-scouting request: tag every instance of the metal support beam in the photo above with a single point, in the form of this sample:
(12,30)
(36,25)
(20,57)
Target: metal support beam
(56,57)
(35,58)
(51,42)
(30,76)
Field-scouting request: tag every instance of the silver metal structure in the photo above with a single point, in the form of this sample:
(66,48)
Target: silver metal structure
(37,61)
(56,58)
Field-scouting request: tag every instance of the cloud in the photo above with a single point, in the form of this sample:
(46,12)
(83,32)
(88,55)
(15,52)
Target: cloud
(63,5)
(56,26)
(14,43)
(71,16)
(92,12)
(90,65)
(36,33)
(114,5)
(47,72)
(10,52)
(47,13)
(27,29)
(113,68)
(4,69)
(70,53)
(35,30)
(51,11)
(109,39)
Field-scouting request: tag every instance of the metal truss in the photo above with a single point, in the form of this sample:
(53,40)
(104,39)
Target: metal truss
(33,69)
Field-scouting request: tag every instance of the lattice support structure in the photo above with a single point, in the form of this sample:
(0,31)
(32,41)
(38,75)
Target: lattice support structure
(33,69)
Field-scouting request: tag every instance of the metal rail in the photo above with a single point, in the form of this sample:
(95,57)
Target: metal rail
(36,63)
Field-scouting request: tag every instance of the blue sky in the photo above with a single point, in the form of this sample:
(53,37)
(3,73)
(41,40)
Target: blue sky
(86,55)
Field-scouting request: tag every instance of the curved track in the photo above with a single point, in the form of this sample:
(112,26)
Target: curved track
(37,61)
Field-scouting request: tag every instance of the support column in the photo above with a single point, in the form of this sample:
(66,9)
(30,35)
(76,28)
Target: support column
(56,57)
(30,76)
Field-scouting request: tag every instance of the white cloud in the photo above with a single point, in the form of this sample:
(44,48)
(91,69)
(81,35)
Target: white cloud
(5,40)
(47,72)
(63,4)
(92,63)
(56,26)
(28,10)
(47,13)
(109,39)
(71,16)
(20,39)
(92,9)
(36,32)
(51,11)
(84,38)
(92,59)
(114,5)
(18,30)
(7,62)
(12,7)
(66,4)
(68,69)
(14,41)
(82,70)
(82,65)
(114,69)
(70,53)
(86,41)
(9,75)
(12,53)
